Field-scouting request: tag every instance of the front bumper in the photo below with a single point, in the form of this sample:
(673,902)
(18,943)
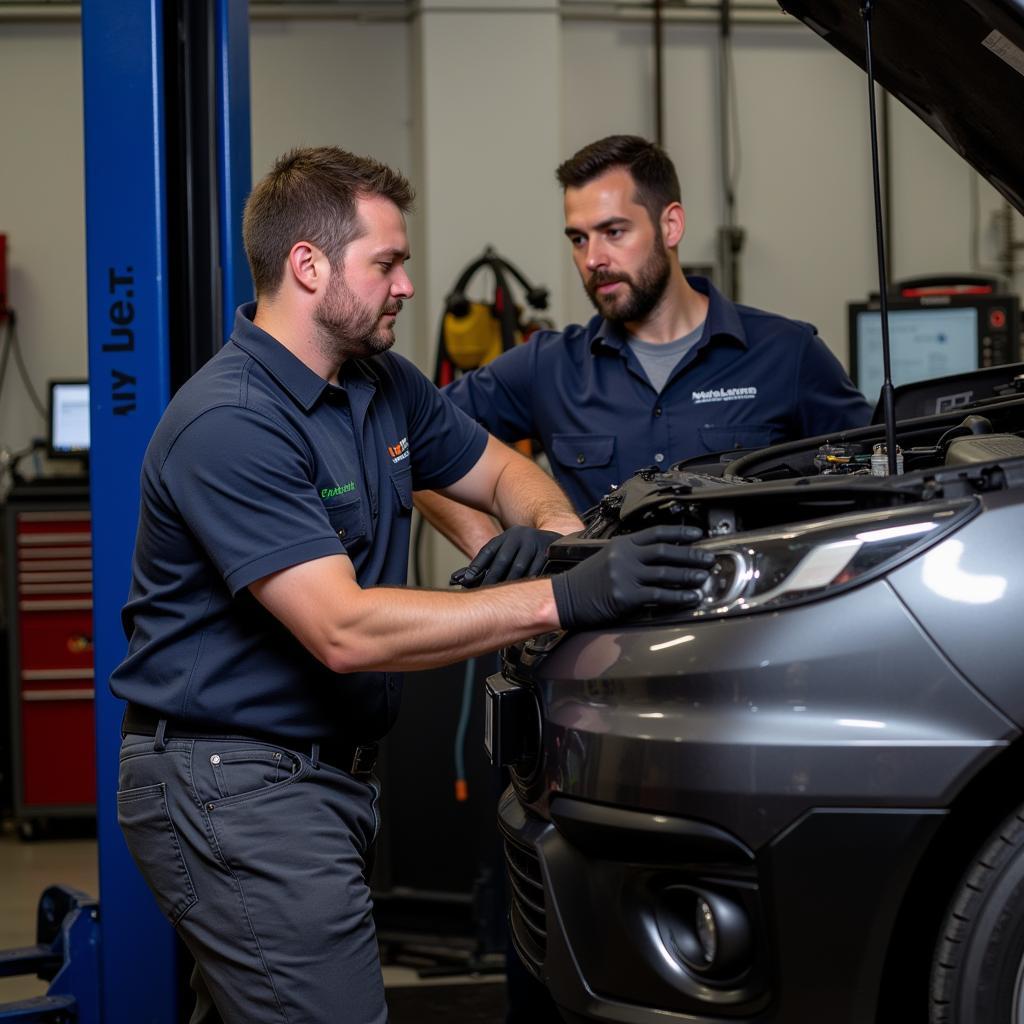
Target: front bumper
(803,788)
(821,900)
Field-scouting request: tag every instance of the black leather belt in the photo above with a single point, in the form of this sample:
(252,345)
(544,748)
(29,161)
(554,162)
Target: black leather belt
(355,758)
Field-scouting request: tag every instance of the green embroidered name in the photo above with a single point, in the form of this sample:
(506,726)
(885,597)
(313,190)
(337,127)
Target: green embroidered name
(333,492)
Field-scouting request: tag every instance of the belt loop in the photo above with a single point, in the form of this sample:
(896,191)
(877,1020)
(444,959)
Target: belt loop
(159,743)
(314,755)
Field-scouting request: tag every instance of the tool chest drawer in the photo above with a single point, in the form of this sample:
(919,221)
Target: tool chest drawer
(49,562)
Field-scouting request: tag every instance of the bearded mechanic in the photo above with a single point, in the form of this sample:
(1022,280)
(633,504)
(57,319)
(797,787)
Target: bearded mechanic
(668,369)
(267,618)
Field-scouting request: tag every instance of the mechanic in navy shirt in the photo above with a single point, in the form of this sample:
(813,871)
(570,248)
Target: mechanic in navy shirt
(668,369)
(267,621)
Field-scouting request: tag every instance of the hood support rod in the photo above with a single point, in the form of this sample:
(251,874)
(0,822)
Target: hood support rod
(888,404)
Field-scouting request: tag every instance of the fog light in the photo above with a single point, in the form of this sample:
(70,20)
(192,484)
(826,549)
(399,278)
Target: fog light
(708,933)
(707,930)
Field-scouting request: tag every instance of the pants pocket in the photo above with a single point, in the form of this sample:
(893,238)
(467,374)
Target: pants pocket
(153,843)
(237,772)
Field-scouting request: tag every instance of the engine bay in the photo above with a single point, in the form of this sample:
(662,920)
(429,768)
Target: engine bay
(972,451)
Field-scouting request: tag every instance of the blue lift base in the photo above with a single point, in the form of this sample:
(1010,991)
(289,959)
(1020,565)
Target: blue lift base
(66,954)
(41,1010)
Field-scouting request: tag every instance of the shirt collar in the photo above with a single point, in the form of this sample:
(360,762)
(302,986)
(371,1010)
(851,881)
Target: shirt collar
(305,386)
(723,320)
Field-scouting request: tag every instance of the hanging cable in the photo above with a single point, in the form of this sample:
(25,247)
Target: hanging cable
(730,236)
(734,114)
(461,783)
(12,346)
(470,335)
(659,74)
(975,227)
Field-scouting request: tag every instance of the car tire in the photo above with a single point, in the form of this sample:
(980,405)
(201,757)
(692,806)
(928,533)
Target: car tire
(978,969)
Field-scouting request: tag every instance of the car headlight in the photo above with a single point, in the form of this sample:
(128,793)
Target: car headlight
(770,569)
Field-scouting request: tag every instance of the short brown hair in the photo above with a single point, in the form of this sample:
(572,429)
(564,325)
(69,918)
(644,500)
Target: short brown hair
(657,184)
(311,195)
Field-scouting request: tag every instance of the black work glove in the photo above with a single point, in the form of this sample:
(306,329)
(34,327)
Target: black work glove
(652,567)
(518,552)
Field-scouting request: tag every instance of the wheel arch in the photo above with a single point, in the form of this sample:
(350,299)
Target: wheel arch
(976,811)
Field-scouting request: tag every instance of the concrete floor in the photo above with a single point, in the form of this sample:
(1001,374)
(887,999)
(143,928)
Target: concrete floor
(27,868)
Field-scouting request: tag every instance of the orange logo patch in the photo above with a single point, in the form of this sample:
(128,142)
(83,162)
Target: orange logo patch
(399,451)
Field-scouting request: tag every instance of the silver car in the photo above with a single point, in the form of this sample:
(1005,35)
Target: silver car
(803,801)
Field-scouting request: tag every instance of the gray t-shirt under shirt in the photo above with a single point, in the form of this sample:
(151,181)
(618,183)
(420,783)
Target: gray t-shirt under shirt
(659,360)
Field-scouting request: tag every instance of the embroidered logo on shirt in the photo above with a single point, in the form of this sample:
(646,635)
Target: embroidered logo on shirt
(399,451)
(724,395)
(333,492)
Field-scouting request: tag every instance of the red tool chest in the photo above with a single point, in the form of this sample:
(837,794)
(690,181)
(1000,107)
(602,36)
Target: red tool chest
(49,562)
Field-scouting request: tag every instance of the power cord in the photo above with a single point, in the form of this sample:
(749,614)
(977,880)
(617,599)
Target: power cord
(11,344)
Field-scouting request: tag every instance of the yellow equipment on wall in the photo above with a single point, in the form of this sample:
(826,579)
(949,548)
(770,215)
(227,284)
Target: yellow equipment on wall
(472,332)
(473,339)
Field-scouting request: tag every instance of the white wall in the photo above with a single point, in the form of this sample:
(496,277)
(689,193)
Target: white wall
(42,213)
(332,82)
(488,132)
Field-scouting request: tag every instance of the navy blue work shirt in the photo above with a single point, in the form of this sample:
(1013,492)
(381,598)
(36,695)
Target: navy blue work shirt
(753,379)
(259,464)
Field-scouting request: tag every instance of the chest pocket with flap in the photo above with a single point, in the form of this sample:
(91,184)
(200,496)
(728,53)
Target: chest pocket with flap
(584,451)
(347,521)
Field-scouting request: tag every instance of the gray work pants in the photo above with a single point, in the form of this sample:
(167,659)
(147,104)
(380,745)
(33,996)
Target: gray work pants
(258,856)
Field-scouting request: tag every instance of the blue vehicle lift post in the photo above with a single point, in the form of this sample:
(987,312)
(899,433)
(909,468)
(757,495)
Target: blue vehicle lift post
(167,162)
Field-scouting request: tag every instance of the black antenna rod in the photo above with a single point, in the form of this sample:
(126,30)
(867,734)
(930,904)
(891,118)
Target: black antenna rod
(888,403)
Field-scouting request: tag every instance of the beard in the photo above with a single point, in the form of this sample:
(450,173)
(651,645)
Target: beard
(642,295)
(351,329)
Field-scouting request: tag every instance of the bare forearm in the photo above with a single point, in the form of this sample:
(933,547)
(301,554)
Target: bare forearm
(504,484)
(526,496)
(400,629)
(468,529)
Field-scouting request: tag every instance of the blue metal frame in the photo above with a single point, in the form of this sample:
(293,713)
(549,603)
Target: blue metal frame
(233,139)
(125,214)
(129,346)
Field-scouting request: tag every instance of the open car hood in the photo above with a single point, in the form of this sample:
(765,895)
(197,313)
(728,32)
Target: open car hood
(958,64)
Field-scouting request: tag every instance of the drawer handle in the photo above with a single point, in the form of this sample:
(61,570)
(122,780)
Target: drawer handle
(30,540)
(24,589)
(35,675)
(54,606)
(49,565)
(41,554)
(54,574)
(43,695)
(63,516)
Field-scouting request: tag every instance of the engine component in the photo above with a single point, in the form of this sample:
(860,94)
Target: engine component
(963,451)
(880,460)
(841,459)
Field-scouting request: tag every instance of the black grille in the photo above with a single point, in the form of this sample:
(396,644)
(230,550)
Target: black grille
(529,922)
